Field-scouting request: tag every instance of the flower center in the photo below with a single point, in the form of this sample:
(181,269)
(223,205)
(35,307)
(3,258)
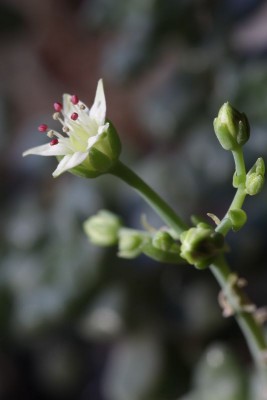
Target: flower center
(76,127)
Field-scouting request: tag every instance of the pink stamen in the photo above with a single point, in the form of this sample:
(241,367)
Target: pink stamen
(42,128)
(58,106)
(53,142)
(74,99)
(74,116)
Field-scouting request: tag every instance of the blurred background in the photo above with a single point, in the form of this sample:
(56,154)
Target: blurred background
(76,322)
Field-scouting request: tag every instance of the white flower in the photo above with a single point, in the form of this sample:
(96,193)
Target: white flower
(82,130)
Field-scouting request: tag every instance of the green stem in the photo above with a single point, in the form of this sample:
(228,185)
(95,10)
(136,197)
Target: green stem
(239,163)
(252,331)
(156,202)
(240,195)
(236,297)
(237,203)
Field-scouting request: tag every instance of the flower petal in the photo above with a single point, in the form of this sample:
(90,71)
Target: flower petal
(92,140)
(69,161)
(98,110)
(47,150)
(68,107)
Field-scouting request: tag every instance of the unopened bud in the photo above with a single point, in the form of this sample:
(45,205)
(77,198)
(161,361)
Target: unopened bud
(131,242)
(231,127)
(162,240)
(200,244)
(255,178)
(103,228)
(238,218)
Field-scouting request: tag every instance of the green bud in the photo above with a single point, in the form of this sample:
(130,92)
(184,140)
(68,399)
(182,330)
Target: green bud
(103,228)
(163,248)
(231,127)
(132,242)
(238,218)
(255,178)
(162,240)
(200,244)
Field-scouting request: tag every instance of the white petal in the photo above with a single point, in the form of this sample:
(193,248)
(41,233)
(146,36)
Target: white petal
(68,107)
(103,128)
(98,110)
(48,150)
(69,161)
(92,140)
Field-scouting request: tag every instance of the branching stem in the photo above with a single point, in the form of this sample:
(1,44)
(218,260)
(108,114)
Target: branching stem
(236,297)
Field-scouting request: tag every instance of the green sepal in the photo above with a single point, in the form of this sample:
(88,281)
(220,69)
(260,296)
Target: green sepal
(99,161)
(83,170)
(114,141)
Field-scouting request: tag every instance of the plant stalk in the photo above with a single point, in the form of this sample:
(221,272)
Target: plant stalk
(153,199)
(234,294)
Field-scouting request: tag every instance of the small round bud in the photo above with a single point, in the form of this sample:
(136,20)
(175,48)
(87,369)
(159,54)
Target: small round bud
(131,242)
(238,218)
(162,240)
(103,228)
(255,178)
(231,127)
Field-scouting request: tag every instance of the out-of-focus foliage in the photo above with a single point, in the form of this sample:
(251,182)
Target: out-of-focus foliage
(76,322)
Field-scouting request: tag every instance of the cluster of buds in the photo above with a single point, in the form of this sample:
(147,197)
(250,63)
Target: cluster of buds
(105,229)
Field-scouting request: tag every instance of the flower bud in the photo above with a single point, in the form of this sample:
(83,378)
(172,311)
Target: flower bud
(255,178)
(238,218)
(103,228)
(231,127)
(131,242)
(200,244)
(162,240)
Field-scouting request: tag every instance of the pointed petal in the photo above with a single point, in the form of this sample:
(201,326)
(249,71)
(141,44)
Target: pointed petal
(92,140)
(68,107)
(48,150)
(98,110)
(69,161)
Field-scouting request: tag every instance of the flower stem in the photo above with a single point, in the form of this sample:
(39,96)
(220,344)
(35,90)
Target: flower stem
(240,195)
(235,295)
(237,299)
(156,202)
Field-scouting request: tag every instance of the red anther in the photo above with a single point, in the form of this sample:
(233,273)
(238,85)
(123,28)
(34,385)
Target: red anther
(53,142)
(58,107)
(42,128)
(74,99)
(74,116)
